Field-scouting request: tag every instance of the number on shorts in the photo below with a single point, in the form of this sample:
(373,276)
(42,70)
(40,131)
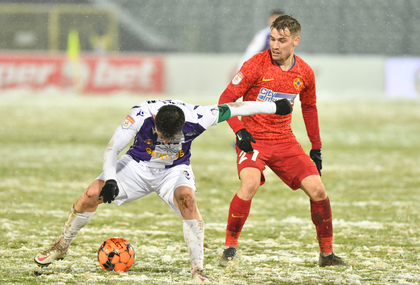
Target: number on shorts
(243,156)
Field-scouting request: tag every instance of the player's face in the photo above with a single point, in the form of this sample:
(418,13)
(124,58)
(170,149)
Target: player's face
(282,44)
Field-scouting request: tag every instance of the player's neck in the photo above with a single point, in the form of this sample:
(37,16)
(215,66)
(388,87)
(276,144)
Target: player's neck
(288,63)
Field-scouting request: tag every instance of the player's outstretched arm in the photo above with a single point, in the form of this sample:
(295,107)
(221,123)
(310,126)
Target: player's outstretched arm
(229,110)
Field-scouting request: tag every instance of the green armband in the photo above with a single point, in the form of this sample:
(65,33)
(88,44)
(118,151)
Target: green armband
(224,112)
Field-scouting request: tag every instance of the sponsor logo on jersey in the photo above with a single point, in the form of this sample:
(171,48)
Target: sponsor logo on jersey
(267,95)
(128,122)
(237,78)
(164,156)
(298,83)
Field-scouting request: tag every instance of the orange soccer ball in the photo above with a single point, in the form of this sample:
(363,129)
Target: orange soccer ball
(116,254)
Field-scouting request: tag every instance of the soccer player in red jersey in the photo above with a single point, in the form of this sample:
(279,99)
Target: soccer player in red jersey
(267,140)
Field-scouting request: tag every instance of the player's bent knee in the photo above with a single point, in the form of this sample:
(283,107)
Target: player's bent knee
(185,198)
(94,189)
(89,198)
(186,201)
(248,189)
(318,193)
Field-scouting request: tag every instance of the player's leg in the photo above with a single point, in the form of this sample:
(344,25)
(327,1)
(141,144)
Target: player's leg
(186,204)
(302,173)
(322,218)
(193,229)
(240,205)
(84,208)
(320,211)
(250,167)
(176,186)
(80,214)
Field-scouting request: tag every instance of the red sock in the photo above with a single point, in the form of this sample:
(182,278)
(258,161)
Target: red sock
(322,219)
(238,213)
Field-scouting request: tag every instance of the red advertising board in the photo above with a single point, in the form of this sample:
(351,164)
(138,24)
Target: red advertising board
(89,74)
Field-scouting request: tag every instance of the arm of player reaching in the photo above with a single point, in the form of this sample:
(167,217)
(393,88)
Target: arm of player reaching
(229,110)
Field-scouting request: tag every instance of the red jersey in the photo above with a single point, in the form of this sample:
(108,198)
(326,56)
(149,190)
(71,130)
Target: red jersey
(262,79)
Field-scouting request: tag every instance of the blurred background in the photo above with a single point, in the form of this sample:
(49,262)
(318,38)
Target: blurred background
(193,46)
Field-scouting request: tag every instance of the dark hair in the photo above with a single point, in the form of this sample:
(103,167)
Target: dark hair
(287,21)
(169,120)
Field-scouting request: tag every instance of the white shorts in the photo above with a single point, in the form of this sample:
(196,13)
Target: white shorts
(136,180)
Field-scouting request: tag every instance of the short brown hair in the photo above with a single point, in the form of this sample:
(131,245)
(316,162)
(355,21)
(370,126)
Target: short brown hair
(286,21)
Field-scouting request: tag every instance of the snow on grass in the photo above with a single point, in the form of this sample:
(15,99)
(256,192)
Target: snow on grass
(370,173)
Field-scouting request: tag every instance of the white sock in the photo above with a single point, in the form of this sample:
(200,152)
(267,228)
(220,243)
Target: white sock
(75,222)
(194,238)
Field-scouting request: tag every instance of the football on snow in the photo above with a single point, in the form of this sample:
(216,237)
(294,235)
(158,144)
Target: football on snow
(116,254)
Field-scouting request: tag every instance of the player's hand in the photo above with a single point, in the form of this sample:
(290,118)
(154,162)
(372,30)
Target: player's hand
(109,191)
(283,107)
(316,156)
(244,139)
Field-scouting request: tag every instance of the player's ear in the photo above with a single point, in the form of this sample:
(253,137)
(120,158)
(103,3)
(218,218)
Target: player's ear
(296,41)
(154,117)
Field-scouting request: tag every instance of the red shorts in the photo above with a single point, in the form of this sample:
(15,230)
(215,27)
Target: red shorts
(287,160)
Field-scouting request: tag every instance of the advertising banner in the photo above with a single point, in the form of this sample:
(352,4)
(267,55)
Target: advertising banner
(86,74)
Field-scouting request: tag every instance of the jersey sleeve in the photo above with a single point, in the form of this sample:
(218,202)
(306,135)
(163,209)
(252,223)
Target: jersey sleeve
(207,115)
(310,110)
(246,108)
(119,140)
(238,87)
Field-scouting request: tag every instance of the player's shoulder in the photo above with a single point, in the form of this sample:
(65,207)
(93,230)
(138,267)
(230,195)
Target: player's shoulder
(303,66)
(149,104)
(301,62)
(263,56)
(260,58)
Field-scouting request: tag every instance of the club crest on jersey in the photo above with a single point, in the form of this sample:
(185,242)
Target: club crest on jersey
(237,78)
(298,83)
(128,122)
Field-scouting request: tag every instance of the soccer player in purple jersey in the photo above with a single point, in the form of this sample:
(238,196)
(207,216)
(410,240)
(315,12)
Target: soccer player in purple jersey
(158,161)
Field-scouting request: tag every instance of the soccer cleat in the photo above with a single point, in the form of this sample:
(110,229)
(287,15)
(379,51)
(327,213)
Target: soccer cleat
(229,254)
(46,257)
(200,277)
(331,260)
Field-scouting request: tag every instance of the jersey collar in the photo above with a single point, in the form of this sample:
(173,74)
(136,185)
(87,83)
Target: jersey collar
(294,62)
